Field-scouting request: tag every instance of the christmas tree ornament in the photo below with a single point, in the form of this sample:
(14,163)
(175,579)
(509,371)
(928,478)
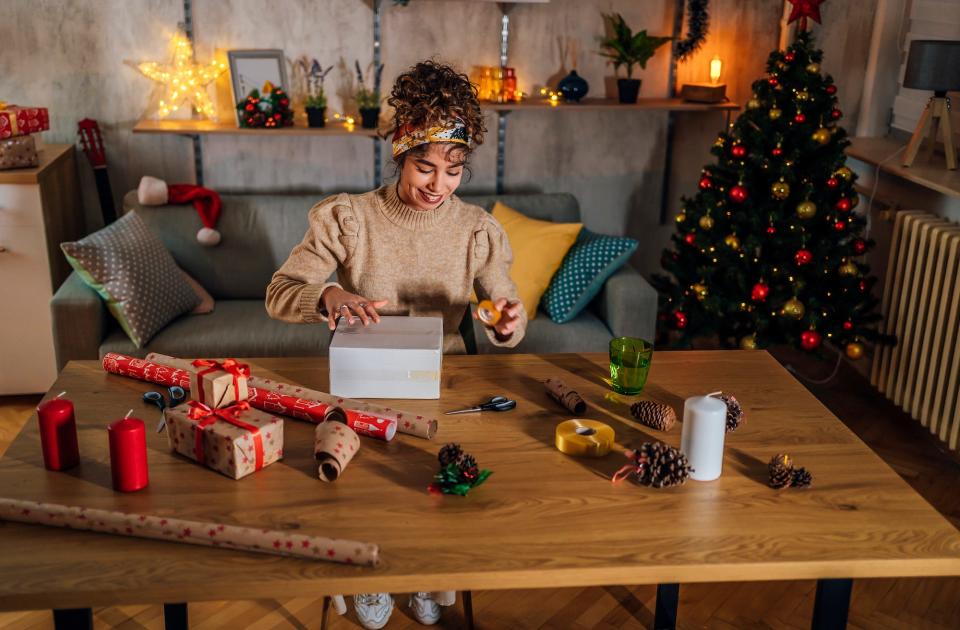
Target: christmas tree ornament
(780,471)
(748,343)
(183,80)
(735,415)
(565,396)
(813,68)
(679,320)
(859,246)
(760,292)
(773,81)
(705,183)
(699,290)
(803,9)
(655,415)
(738,151)
(835,114)
(844,205)
(789,56)
(776,151)
(458,473)
(863,286)
(844,173)
(655,464)
(753,103)
(775,113)
(681,217)
(821,135)
(800,118)
(830,89)
(810,340)
(803,95)
(854,350)
(840,226)
(690,238)
(832,182)
(771,230)
(848,325)
(738,194)
(706,222)
(849,268)
(780,190)
(732,241)
(793,308)
(803,257)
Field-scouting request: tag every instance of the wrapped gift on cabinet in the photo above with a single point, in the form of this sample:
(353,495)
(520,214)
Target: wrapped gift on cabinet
(20,121)
(19,152)
(235,440)
(398,358)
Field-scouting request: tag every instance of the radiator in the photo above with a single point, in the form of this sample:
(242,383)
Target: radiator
(921,306)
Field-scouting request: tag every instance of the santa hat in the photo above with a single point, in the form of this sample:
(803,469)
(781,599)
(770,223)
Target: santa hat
(156,192)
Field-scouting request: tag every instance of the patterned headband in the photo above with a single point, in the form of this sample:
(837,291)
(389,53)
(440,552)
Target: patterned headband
(406,137)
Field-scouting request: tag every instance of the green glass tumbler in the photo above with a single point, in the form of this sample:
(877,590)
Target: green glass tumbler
(629,364)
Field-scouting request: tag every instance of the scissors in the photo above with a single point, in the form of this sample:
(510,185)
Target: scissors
(497,403)
(177,396)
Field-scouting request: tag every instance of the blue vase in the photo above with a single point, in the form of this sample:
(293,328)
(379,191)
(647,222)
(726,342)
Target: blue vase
(573,87)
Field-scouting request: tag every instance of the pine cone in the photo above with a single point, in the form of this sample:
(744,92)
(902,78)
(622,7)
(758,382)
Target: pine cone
(781,471)
(654,414)
(801,478)
(467,463)
(734,412)
(663,465)
(449,454)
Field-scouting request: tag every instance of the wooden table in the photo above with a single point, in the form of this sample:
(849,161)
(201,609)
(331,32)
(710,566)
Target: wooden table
(542,520)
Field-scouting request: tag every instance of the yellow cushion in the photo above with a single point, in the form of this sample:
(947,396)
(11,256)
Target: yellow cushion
(538,249)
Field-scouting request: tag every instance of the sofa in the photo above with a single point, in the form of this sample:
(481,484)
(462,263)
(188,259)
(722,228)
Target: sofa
(258,233)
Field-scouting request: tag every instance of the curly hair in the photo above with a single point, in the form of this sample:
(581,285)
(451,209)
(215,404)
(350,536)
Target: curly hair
(430,93)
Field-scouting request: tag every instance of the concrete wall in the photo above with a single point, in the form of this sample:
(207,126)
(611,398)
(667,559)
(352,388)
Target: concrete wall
(75,58)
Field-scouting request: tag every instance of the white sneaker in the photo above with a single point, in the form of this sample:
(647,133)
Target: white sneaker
(424,608)
(373,609)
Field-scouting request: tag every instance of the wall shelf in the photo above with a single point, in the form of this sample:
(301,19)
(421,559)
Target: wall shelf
(599,104)
(209,127)
(932,174)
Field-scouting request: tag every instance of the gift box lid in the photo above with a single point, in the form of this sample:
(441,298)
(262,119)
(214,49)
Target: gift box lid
(392,333)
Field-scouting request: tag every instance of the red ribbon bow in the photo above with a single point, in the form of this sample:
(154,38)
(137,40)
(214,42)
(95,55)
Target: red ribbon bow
(230,366)
(205,416)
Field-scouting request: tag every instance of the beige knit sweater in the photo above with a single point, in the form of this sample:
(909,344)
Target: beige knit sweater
(425,263)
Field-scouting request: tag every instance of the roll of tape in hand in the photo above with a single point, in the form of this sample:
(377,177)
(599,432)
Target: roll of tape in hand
(584,438)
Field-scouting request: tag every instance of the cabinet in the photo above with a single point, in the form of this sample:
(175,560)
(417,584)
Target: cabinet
(39,208)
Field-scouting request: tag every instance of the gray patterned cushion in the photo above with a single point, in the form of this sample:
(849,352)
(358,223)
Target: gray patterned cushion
(134,274)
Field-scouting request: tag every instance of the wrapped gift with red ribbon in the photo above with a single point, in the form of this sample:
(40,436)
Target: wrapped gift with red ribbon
(218,383)
(20,121)
(235,440)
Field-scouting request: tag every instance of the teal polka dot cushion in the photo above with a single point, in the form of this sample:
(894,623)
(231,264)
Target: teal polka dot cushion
(588,264)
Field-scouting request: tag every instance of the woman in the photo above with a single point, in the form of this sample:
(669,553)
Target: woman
(408,248)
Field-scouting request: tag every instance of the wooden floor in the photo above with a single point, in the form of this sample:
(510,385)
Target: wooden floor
(913,603)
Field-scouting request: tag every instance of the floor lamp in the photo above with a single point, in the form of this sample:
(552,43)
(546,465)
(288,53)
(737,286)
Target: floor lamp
(933,65)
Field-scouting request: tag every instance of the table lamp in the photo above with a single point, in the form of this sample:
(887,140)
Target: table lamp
(933,65)
(713,92)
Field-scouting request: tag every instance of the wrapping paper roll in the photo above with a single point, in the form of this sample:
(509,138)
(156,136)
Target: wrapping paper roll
(570,399)
(150,370)
(334,446)
(584,438)
(210,534)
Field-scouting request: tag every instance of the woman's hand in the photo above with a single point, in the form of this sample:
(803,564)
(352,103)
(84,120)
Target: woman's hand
(509,317)
(339,303)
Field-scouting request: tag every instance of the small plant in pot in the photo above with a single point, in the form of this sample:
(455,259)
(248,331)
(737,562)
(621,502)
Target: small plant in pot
(316,101)
(624,48)
(367,97)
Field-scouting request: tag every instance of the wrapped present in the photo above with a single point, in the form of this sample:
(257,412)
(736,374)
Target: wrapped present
(235,440)
(218,383)
(19,152)
(20,121)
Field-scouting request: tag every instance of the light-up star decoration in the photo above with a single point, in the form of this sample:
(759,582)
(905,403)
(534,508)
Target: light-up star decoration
(183,79)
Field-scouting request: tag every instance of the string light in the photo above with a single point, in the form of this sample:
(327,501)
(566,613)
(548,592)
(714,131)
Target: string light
(183,79)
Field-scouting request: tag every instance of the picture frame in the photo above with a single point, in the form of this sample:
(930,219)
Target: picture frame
(250,69)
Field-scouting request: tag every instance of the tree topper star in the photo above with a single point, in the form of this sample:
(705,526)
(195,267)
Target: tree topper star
(803,9)
(183,79)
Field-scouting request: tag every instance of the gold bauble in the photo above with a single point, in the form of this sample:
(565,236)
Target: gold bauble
(803,95)
(775,113)
(806,209)
(854,350)
(732,241)
(700,290)
(793,308)
(748,343)
(681,217)
(821,135)
(813,68)
(849,268)
(844,173)
(719,142)
(780,190)
(753,103)
(706,222)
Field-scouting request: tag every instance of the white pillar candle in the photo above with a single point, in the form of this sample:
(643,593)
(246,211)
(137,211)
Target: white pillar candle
(704,426)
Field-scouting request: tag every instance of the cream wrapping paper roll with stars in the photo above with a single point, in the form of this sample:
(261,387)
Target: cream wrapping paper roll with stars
(335,444)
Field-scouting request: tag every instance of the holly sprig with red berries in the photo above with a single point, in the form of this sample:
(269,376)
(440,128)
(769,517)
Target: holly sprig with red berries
(458,473)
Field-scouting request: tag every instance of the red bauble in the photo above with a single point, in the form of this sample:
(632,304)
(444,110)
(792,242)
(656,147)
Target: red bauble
(863,286)
(249,107)
(859,246)
(773,81)
(835,114)
(831,89)
(738,194)
(679,320)
(284,101)
(810,340)
(799,118)
(690,238)
(771,230)
(738,151)
(832,182)
(760,292)
(839,226)
(844,205)
(705,183)
(803,257)
(848,325)
(777,151)
(276,116)
(789,56)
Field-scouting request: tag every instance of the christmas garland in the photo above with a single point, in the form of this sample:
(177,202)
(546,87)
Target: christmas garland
(698,23)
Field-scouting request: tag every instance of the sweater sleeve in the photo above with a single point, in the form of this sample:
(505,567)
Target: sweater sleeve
(295,289)
(492,280)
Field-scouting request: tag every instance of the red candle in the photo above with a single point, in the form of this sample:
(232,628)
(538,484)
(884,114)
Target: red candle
(58,434)
(128,454)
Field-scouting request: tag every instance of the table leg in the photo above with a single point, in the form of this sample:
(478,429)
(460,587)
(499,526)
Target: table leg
(832,604)
(468,608)
(668,600)
(73,618)
(325,615)
(175,617)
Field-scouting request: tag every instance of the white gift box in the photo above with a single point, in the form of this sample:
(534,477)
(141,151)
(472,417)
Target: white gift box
(398,358)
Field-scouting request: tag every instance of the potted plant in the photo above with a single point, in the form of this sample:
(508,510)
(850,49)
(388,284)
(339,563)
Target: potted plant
(316,101)
(624,48)
(368,97)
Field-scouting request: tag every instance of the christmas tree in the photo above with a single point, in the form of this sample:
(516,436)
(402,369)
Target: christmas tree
(770,250)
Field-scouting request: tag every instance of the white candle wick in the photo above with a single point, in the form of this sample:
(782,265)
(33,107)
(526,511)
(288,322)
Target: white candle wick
(714,394)
(61,394)
(128,414)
